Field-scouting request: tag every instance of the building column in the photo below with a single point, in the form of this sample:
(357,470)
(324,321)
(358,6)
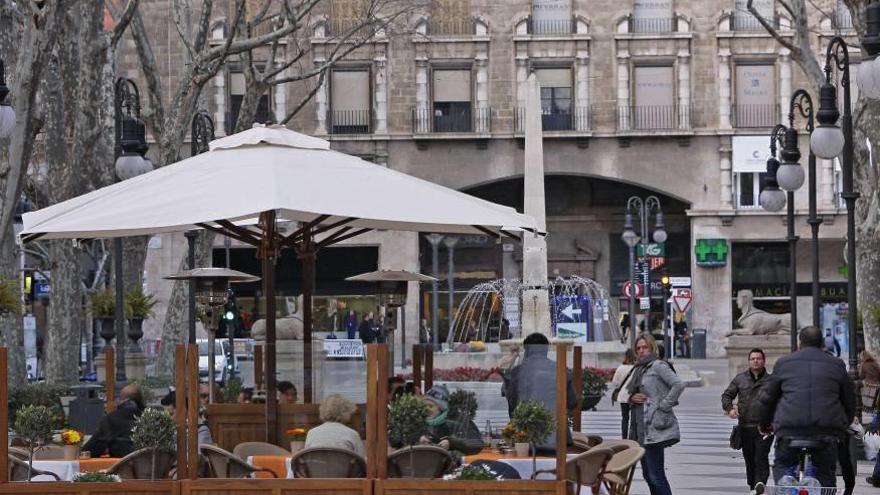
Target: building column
(582,95)
(220,103)
(380,94)
(321,104)
(684,89)
(726,174)
(422,118)
(280,97)
(724,89)
(784,83)
(481,104)
(826,184)
(624,122)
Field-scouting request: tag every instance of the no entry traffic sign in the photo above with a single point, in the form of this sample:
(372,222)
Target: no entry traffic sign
(628,289)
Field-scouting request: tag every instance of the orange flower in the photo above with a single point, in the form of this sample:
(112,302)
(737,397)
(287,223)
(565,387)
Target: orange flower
(297,434)
(71,437)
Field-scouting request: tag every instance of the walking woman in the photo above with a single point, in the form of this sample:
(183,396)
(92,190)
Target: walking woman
(654,389)
(619,392)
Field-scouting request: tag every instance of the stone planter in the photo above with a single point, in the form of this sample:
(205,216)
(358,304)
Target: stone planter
(135,330)
(521,449)
(107,331)
(591,401)
(71,452)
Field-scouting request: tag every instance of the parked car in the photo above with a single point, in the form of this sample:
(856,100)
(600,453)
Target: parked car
(219,360)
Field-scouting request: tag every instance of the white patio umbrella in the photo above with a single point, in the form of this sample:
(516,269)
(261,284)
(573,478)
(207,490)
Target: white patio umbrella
(249,181)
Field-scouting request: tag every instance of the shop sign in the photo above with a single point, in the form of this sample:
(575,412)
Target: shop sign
(652,249)
(711,252)
(828,291)
(339,348)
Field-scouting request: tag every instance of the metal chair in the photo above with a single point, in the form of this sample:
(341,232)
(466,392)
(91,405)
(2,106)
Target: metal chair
(145,464)
(585,469)
(618,475)
(420,461)
(18,470)
(328,462)
(250,449)
(223,464)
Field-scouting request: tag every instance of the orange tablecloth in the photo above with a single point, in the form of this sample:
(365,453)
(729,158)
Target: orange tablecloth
(275,463)
(494,455)
(96,464)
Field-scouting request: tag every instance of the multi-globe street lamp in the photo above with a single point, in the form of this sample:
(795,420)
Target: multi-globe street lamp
(130,152)
(643,207)
(7,114)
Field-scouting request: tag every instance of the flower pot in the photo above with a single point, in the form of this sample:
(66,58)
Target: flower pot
(521,449)
(135,329)
(71,452)
(108,332)
(296,446)
(590,402)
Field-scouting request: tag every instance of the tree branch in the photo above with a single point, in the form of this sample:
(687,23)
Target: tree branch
(305,99)
(177,15)
(123,22)
(204,31)
(769,27)
(155,118)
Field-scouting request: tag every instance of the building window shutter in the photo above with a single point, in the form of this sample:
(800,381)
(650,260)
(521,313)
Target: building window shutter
(554,78)
(350,90)
(756,96)
(452,86)
(654,86)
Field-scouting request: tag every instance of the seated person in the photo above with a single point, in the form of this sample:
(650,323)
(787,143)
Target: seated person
(461,437)
(396,388)
(246,395)
(169,403)
(336,412)
(286,392)
(205,394)
(113,435)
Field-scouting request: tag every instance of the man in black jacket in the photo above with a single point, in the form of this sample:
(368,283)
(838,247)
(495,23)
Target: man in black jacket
(809,396)
(113,435)
(745,387)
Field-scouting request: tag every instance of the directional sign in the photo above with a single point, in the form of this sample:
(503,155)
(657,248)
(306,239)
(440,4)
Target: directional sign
(571,315)
(682,299)
(644,303)
(628,289)
(569,311)
(680,281)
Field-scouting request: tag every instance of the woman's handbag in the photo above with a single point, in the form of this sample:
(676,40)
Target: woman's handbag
(736,442)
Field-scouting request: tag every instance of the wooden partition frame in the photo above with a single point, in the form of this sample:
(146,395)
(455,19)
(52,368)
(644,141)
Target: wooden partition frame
(561,411)
(109,379)
(258,367)
(192,411)
(577,381)
(180,375)
(382,412)
(417,352)
(363,486)
(130,487)
(443,487)
(429,366)
(4,415)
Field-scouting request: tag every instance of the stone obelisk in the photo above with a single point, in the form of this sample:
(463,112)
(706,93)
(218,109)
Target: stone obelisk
(535,297)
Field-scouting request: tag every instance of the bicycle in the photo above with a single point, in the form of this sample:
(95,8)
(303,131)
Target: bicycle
(801,481)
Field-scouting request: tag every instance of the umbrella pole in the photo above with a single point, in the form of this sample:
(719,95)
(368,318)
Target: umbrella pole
(307,255)
(267,255)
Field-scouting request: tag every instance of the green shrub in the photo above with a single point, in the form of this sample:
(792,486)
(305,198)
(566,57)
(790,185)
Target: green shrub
(103,304)
(407,420)
(97,477)
(473,473)
(42,394)
(231,390)
(10,296)
(33,425)
(534,420)
(138,304)
(463,405)
(154,429)
(594,383)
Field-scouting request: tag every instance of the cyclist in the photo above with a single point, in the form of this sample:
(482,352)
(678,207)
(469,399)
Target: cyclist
(809,397)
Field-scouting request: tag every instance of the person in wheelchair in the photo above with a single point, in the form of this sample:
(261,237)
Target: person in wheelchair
(808,403)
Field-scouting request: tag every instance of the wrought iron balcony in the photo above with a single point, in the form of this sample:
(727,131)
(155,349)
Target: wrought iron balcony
(654,117)
(652,25)
(581,119)
(761,115)
(550,27)
(349,121)
(470,119)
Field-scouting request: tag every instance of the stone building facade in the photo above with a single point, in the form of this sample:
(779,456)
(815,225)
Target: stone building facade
(674,98)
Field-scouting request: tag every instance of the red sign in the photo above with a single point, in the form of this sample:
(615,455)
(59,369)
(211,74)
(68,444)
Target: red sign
(628,289)
(657,262)
(682,299)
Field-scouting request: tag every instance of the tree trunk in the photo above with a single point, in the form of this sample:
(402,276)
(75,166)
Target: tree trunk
(251,100)
(12,333)
(867,127)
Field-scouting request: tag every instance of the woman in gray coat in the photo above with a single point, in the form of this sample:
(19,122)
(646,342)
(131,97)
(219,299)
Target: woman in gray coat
(654,389)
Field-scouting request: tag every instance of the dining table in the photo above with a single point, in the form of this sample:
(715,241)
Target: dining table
(66,469)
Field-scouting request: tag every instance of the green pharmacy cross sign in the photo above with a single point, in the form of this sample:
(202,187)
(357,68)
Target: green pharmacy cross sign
(711,252)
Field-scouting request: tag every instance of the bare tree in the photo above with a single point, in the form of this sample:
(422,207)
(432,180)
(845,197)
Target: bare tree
(866,126)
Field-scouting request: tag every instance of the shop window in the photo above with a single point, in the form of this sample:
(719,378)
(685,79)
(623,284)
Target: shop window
(452,100)
(653,16)
(237,90)
(655,106)
(555,98)
(756,104)
(748,189)
(349,102)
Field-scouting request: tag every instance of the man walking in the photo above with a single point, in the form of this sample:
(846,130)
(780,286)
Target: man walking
(744,389)
(809,397)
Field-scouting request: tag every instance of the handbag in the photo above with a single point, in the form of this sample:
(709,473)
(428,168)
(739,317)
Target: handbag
(736,438)
(617,390)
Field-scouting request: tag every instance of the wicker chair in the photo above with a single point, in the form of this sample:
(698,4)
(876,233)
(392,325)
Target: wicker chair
(19,453)
(139,465)
(585,469)
(18,470)
(583,442)
(619,445)
(223,464)
(250,449)
(327,462)
(618,475)
(420,461)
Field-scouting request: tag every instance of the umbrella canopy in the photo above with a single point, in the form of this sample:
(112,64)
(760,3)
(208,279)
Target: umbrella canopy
(391,276)
(270,169)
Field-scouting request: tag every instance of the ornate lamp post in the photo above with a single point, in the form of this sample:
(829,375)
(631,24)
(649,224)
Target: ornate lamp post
(7,114)
(643,207)
(130,150)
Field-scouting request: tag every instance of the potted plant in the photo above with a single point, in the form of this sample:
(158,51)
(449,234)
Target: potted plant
(594,389)
(39,394)
(72,441)
(138,306)
(480,472)
(33,425)
(535,421)
(103,304)
(155,430)
(297,437)
(97,477)
(463,405)
(407,421)
(10,298)
(517,439)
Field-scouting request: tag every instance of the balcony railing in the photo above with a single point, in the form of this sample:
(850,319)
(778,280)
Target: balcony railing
(745,21)
(349,121)
(652,25)
(761,115)
(653,117)
(358,28)
(426,120)
(581,119)
(549,27)
(451,27)
(843,18)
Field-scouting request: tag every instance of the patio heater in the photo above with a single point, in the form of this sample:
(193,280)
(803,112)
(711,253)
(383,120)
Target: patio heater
(391,287)
(212,292)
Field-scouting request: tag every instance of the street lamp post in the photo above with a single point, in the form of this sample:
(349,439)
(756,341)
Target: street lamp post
(130,150)
(450,242)
(7,114)
(773,199)
(435,240)
(643,207)
(829,141)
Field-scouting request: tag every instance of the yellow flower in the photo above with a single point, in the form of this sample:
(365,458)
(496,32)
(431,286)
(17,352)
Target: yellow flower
(71,437)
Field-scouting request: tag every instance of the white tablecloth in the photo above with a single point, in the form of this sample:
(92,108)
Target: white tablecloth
(64,469)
